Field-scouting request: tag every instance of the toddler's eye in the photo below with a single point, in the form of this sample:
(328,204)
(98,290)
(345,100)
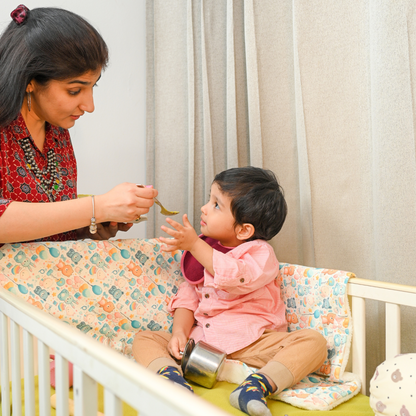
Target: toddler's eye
(216,205)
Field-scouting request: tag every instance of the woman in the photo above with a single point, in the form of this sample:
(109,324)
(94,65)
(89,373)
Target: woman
(50,61)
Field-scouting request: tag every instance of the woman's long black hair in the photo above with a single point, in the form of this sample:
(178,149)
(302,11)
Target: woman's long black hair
(51,44)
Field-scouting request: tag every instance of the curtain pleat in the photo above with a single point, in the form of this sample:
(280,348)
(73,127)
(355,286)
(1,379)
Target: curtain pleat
(393,166)
(231,115)
(208,149)
(322,93)
(305,231)
(150,106)
(253,100)
(191,113)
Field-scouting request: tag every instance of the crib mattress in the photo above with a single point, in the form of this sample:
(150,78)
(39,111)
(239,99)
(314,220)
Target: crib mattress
(357,406)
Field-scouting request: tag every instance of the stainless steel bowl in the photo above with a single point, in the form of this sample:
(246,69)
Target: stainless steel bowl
(201,363)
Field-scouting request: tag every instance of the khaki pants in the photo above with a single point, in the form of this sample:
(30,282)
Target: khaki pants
(285,357)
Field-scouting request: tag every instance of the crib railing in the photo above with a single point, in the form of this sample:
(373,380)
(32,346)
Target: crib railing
(124,380)
(393,295)
(121,378)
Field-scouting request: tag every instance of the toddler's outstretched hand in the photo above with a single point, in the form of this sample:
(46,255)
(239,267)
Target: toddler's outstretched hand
(184,236)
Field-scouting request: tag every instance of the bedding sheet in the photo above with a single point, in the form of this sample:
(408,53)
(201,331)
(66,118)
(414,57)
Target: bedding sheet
(357,406)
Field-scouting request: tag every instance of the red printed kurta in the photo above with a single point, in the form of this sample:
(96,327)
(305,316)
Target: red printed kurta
(18,182)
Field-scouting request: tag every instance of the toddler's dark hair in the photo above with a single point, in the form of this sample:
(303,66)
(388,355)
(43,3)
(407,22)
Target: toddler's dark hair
(257,199)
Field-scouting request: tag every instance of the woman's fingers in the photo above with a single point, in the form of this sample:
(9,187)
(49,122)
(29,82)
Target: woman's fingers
(146,192)
(143,199)
(103,232)
(112,228)
(124,203)
(109,229)
(124,227)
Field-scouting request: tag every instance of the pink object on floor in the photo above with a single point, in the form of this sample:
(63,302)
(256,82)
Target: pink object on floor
(52,369)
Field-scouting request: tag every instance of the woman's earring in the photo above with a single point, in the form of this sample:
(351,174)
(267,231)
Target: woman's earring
(29,100)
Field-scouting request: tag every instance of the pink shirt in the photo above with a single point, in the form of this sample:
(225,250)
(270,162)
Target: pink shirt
(235,306)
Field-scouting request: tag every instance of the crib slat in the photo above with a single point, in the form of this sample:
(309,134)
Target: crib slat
(393,340)
(44,379)
(4,358)
(16,369)
(62,385)
(29,374)
(358,340)
(131,383)
(112,404)
(85,393)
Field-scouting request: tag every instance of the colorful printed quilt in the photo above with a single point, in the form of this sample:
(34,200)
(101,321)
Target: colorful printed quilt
(109,290)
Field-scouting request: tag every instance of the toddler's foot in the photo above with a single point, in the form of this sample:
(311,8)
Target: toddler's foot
(172,374)
(250,396)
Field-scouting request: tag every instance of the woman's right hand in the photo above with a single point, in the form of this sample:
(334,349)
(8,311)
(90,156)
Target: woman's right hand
(118,208)
(124,203)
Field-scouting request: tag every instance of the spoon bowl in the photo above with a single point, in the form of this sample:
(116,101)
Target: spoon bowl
(163,210)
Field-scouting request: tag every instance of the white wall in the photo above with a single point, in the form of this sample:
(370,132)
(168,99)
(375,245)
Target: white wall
(110,144)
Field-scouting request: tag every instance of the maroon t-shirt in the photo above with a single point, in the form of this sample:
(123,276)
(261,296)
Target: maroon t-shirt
(192,269)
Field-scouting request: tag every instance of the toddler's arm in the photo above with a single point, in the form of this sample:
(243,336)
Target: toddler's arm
(183,321)
(186,238)
(245,269)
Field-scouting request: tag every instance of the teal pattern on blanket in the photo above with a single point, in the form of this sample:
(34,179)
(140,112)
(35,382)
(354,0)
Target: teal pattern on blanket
(316,298)
(109,290)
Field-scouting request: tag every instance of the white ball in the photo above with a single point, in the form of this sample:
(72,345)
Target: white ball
(393,387)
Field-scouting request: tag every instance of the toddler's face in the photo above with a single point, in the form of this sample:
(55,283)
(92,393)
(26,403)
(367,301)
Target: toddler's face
(217,221)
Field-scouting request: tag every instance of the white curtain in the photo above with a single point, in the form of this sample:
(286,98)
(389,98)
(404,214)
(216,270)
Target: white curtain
(322,93)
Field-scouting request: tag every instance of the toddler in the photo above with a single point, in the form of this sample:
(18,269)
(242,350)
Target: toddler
(231,298)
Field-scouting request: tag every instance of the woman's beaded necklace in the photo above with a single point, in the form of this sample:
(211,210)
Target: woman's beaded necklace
(51,185)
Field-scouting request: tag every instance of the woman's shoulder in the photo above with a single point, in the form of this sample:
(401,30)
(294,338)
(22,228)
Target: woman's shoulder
(16,127)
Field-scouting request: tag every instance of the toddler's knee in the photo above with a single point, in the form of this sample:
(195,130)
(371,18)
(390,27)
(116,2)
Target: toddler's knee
(317,339)
(145,343)
(139,337)
(317,344)
(151,335)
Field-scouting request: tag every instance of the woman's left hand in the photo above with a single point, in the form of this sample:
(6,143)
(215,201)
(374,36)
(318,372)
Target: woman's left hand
(105,231)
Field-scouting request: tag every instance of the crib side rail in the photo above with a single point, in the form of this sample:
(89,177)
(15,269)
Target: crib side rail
(122,378)
(393,295)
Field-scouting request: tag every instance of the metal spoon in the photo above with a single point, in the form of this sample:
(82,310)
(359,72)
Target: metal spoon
(163,210)
(140,219)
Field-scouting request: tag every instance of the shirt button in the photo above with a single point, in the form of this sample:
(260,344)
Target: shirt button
(242,280)
(206,295)
(207,325)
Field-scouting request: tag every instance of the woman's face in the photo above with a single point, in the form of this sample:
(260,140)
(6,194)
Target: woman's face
(61,103)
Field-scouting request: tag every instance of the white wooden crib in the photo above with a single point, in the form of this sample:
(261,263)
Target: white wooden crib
(121,379)
(22,325)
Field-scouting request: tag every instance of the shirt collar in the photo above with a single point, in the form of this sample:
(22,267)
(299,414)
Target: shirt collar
(20,131)
(18,127)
